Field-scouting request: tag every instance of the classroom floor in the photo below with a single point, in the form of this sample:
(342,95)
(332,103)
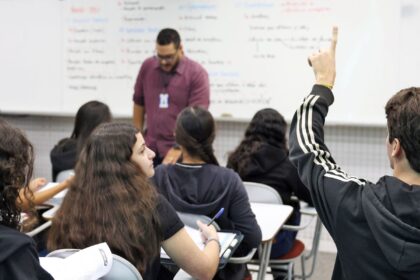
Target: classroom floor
(323,269)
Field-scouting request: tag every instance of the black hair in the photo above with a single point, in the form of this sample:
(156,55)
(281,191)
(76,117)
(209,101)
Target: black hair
(195,132)
(88,117)
(167,36)
(267,126)
(403,118)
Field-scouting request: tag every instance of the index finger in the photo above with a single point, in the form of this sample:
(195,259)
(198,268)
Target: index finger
(334,38)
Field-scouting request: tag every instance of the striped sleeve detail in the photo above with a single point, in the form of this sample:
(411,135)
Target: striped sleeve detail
(307,143)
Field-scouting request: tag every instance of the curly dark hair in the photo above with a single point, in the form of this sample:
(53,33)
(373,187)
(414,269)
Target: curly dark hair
(267,126)
(16,166)
(403,118)
(109,200)
(195,132)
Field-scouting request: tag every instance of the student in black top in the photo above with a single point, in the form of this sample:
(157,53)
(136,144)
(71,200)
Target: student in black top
(64,155)
(18,256)
(263,157)
(198,185)
(376,226)
(111,200)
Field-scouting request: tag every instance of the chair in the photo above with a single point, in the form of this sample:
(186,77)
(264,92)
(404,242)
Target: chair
(63,175)
(191,219)
(262,193)
(121,268)
(313,253)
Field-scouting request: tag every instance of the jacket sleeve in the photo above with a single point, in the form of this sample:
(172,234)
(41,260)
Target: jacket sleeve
(243,218)
(332,190)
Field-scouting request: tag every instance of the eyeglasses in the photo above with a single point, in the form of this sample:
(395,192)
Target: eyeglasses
(167,58)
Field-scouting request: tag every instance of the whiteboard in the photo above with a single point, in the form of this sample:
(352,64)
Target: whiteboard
(56,55)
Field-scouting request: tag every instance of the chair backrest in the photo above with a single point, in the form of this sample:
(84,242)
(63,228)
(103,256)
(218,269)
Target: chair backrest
(262,193)
(63,175)
(121,268)
(190,219)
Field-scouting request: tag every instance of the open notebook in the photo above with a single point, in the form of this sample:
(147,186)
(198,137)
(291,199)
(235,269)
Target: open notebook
(228,242)
(90,263)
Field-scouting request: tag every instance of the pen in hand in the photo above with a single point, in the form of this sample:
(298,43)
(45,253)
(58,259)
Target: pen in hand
(218,214)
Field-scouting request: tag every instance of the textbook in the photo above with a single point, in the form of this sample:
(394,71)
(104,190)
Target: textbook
(229,241)
(87,264)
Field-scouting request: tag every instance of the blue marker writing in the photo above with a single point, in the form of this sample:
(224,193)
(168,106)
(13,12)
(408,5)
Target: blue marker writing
(216,216)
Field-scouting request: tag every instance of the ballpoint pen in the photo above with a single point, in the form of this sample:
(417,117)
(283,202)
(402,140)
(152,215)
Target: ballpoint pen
(217,216)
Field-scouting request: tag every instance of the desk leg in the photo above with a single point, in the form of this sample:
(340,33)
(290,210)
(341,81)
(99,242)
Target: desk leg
(264,259)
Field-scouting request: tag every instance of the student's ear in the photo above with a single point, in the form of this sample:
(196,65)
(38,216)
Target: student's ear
(397,150)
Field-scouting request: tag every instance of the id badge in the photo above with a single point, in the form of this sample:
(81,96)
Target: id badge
(163,100)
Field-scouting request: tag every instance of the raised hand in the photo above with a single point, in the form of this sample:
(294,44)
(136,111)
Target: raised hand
(323,62)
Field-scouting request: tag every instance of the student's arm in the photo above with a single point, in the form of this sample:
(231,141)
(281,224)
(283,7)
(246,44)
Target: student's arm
(40,197)
(185,253)
(330,187)
(138,116)
(172,156)
(242,217)
(299,189)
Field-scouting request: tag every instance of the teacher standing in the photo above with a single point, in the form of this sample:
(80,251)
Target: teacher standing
(167,83)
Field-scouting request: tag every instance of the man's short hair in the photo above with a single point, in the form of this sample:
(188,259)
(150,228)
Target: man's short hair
(403,118)
(167,36)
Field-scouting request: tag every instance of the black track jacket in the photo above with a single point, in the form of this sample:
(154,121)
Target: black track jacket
(376,227)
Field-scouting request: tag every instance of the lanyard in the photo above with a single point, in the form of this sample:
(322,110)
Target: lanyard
(166,78)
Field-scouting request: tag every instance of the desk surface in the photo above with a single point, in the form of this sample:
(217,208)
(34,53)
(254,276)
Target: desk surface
(48,215)
(270,218)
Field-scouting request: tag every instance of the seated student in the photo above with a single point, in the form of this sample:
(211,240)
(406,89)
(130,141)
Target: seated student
(18,256)
(376,226)
(197,184)
(64,155)
(111,200)
(263,157)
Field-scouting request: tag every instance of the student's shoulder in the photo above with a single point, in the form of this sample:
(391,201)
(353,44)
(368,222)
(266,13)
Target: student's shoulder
(162,170)
(66,144)
(11,240)
(225,174)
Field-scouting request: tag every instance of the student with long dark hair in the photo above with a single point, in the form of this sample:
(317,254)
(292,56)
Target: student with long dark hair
(197,184)
(64,155)
(262,157)
(111,200)
(18,256)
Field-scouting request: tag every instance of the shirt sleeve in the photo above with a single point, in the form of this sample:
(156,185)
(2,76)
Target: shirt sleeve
(170,223)
(138,96)
(332,190)
(200,90)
